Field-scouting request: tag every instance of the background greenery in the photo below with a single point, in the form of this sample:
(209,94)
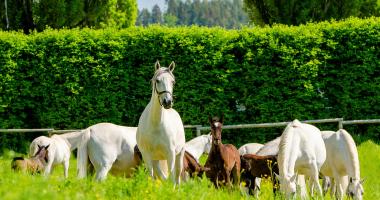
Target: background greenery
(69,79)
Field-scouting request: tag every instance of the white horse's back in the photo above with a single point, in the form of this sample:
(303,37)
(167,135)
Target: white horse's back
(270,148)
(250,148)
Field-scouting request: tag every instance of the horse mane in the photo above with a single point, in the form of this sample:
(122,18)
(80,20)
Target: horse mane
(285,145)
(351,146)
(18,158)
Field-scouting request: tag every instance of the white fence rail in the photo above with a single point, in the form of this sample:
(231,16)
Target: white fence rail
(200,128)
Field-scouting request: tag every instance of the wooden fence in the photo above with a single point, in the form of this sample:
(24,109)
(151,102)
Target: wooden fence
(200,128)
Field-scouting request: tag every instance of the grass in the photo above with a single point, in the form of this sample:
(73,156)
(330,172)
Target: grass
(24,186)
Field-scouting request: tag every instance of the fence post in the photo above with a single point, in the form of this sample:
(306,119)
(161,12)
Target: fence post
(340,123)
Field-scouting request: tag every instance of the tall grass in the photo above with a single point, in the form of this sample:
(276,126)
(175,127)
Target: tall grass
(140,186)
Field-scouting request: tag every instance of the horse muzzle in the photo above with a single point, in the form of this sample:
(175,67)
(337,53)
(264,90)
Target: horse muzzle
(167,103)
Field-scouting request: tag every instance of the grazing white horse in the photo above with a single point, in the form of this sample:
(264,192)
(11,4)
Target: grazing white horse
(301,151)
(110,148)
(59,151)
(342,163)
(250,148)
(198,146)
(160,133)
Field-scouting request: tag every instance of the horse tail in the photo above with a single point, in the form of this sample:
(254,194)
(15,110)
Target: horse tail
(353,153)
(82,154)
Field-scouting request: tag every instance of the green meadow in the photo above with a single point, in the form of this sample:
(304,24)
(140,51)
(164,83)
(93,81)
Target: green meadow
(19,186)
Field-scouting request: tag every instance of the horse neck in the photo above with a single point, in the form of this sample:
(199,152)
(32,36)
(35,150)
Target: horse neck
(353,153)
(72,138)
(156,110)
(285,152)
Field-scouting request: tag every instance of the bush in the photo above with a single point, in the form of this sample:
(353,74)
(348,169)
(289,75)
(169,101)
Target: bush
(76,78)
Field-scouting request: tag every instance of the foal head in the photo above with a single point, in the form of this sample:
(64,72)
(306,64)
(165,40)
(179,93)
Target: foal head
(216,129)
(163,83)
(42,154)
(355,189)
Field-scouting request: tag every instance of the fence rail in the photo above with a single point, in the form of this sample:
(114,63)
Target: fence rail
(200,128)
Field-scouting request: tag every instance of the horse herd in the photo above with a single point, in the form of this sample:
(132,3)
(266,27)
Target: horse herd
(302,154)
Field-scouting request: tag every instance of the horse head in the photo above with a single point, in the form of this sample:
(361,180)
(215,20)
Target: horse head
(355,189)
(42,153)
(163,84)
(288,185)
(216,129)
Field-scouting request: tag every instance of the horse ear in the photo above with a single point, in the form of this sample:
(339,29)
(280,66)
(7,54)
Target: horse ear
(221,118)
(157,65)
(209,119)
(172,66)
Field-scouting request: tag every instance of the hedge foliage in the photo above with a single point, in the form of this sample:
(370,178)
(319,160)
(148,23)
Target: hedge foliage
(76,78)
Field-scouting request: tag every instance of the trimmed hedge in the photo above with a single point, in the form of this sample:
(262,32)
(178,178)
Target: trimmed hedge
(76,78)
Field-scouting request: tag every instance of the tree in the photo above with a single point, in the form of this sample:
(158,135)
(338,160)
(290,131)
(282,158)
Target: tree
(294,12)
(156,15)
(144,17)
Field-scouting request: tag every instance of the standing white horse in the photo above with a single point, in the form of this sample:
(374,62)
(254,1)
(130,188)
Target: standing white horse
(110,148)
(160,133)
(59,151)
(198,146)
(342,163)
(301,151)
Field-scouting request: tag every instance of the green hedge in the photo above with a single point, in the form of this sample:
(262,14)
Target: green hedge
(75,78)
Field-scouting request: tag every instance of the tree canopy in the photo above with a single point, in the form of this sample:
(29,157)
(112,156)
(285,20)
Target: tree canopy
(294,12)
(30,14)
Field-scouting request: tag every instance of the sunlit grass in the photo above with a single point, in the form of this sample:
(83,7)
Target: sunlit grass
(140,186)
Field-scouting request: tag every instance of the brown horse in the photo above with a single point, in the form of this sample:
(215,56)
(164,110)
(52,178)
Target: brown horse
(254,166)
(192,167)
(223,159)
(32,165)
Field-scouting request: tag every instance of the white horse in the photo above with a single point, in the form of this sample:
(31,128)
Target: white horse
(250,148)
(342,163)
(110,148)
(160,133)
(270,148)
(59,151)
(301,152)
(198,146)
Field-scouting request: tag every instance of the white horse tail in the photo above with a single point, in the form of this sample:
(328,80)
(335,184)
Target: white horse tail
(82,155)
(353,153)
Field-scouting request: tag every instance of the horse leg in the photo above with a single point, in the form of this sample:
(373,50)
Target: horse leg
(48,168)
(66,168)
(172,164)
(179,166)
(302,186)
(101,174)
(339,182)
(315,179)
(158,171)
